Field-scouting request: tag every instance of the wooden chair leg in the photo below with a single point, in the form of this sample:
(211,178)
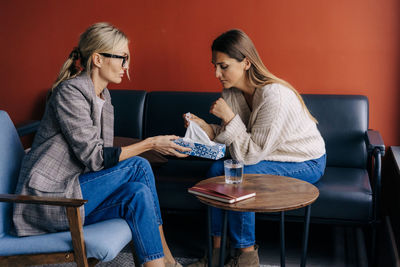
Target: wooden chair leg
(135,257)
(78,243)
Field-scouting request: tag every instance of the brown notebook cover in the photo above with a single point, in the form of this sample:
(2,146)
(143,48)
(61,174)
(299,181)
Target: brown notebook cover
(227,193)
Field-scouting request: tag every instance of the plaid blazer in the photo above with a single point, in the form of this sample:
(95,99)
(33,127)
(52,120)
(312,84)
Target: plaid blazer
(69,142)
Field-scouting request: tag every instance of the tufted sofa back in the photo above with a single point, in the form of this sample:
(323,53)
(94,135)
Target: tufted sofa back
(343,119)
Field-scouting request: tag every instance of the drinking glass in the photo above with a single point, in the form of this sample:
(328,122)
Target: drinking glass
(233,171)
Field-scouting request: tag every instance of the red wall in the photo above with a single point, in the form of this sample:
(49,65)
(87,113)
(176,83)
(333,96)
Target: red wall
(327,47)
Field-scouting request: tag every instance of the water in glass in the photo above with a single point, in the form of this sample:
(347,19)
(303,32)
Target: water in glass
(233,171)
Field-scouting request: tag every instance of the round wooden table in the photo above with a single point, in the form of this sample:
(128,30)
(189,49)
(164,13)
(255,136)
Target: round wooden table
(273,194)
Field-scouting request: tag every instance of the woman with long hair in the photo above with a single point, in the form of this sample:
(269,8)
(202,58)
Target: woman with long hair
(73,155)
(266,125)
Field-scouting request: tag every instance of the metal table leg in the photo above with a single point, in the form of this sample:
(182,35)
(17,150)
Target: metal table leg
(223,237)
(282,232)
(305,235)
(209,236)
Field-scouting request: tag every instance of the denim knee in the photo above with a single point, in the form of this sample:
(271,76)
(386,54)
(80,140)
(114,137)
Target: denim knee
(138,189)
(141,170)
(138,161)
(146,194)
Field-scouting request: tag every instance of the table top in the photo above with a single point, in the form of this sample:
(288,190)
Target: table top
(273,193)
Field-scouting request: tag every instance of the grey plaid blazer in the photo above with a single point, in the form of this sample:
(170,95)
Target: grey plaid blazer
(69,142)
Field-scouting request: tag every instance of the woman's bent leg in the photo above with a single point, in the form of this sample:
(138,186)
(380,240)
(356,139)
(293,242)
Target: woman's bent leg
(133,202)
(128,189)
(98,186)
(309,171)
(242,224)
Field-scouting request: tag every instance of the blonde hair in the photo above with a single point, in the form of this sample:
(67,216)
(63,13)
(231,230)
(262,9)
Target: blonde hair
(236,44)
(99,38)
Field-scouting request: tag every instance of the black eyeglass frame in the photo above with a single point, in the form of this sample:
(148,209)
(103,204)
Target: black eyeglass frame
(124,58)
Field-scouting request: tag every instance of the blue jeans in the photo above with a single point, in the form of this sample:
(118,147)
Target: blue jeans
(126,191)
(241,226)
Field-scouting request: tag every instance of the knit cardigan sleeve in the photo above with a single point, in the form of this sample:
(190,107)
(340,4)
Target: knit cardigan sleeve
(252,145)
(217,129)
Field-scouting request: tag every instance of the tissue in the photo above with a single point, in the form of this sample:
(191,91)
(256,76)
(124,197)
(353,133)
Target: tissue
(197,139)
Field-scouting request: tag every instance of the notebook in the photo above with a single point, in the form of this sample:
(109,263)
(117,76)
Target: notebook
(227,193)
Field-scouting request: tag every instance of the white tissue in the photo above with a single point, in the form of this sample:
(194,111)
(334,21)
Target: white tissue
(195,133)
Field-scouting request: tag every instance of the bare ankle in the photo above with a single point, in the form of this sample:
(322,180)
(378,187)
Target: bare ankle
(248,249)
(217,241)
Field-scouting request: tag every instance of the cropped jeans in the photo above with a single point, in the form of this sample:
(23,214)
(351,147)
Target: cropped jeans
(241,225)
(126,191)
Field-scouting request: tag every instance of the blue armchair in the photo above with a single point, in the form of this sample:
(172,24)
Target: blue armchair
(84,245)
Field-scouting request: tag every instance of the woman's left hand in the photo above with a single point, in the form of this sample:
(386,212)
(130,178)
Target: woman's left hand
(221,109)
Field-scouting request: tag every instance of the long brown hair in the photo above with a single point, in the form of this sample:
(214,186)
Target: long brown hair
(236,44)
(100,37)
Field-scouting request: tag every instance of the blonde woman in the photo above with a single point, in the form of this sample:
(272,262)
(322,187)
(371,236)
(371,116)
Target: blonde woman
(73,156)
(265,124)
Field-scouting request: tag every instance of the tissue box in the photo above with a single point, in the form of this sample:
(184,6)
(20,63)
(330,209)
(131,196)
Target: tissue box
(216,151)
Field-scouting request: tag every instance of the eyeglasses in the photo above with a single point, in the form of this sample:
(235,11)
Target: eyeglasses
(124,58)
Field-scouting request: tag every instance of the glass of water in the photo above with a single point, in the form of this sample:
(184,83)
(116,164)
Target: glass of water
(233,171)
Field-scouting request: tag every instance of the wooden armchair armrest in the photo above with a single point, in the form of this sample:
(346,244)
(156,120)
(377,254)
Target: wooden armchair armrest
(73,214)
(67,202)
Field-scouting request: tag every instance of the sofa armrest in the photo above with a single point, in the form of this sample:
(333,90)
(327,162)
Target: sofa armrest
(27,128)
(376,149)
(374,141)
(67,202)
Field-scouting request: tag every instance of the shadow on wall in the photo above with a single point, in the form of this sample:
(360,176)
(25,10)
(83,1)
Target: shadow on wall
(40,104)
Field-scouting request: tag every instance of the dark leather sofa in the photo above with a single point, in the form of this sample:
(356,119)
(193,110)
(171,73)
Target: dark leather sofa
(349,189)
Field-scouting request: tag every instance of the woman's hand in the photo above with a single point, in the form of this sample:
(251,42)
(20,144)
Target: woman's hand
(202,123)
(221,109)
(194,118)
(165,145)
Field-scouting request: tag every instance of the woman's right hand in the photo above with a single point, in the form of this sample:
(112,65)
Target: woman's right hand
(194,118)
(165,145)
(202,123)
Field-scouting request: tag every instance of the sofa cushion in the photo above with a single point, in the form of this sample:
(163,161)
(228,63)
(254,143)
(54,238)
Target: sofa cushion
(345,195)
